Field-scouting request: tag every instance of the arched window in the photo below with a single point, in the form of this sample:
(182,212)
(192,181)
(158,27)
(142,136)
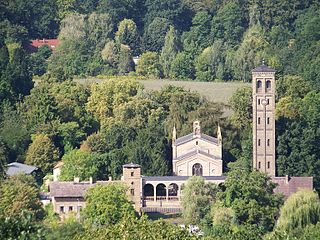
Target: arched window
(259,85)
(161,190)
(197,169)
(148,190)
(258,120)
(173,189)
(268,85)
(259,142)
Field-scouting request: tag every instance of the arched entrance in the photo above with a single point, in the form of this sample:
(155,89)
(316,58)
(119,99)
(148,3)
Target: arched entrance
(148,190)
(197,169)
(161,190)
(173,192)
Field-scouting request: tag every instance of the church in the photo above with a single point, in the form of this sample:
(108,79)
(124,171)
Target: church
(195,154)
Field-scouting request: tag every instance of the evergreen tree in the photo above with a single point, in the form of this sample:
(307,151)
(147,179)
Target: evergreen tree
(169,51)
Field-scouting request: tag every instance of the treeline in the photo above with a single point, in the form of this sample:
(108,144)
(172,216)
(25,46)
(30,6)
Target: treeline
(206,40)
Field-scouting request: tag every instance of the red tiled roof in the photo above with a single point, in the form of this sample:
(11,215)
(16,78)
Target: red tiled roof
(52,43)
(290,185)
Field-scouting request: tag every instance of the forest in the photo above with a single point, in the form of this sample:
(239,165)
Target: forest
(96,128)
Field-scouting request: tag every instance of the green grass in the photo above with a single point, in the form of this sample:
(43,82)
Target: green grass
(213,91)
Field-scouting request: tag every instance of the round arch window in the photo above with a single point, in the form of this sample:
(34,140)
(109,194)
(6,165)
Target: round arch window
(197,169)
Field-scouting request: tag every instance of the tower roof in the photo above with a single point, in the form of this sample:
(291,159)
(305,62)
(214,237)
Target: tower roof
(131,165)
(263,68)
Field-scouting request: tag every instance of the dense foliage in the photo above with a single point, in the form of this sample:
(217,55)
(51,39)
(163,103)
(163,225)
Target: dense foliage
(95,129)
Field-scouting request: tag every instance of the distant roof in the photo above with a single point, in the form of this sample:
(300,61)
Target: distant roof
(290,185)
(191,136)
(179,178)
(71,189)
(263,68)
(131,165)
(35,44)
(17,168)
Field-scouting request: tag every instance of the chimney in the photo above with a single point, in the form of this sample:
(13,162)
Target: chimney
(76,180)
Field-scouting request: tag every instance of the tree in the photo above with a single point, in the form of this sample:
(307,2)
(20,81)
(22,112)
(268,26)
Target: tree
(126,63)
(169,51)
(39,60)
(197,198)
(250,195)
(241,104)
(149,65)
(173,10)
(78,163)
(14,134)
(19,194)
(154,34)
(250,53)
(301,209)
(199,36)
(182,66)
(107,204)
(229,23)
(3,160)
(210,63)
(127,34)
(42,153)
(108,95)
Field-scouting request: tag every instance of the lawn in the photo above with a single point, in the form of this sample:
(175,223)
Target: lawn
(213,91)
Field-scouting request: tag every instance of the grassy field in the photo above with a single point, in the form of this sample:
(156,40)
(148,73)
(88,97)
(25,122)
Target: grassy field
(213,91)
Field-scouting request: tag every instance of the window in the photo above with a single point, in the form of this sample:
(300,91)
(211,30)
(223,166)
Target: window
(268,101)
(259,85)
(197,169)
(259,165)
(268,85)
(132,173)
(61,209)
(268,142)
(258,120)
(259,102)
(268,120)
(196,142)
(70,208)
(259,142)
(132,191)
(268,164)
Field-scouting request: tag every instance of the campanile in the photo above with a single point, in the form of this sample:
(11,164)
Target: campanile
(263,91)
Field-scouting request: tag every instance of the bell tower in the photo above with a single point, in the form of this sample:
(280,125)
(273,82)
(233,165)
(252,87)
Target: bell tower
(263,92)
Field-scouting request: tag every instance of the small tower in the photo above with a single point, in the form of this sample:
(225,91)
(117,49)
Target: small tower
(263,93)
(174,138)
(196,129)
(132,177)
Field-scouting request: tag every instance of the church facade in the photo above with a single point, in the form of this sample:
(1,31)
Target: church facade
(197,153)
